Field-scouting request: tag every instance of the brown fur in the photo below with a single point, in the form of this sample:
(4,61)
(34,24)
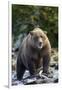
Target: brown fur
(35,47)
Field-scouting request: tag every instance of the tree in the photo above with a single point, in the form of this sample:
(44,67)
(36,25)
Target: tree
(27,17)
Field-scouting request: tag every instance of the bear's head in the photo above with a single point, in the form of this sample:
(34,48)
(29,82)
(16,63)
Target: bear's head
(38,38)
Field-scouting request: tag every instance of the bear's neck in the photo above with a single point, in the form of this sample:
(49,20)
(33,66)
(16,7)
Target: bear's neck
(34,50)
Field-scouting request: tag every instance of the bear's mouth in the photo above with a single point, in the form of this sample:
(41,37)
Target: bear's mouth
(40,46)
(40,43)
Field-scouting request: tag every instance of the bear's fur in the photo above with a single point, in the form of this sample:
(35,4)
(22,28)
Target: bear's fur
(35,46)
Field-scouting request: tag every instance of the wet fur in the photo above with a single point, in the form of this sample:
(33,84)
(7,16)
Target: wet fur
(30,57)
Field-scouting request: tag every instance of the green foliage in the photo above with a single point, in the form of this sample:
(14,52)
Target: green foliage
(27,17)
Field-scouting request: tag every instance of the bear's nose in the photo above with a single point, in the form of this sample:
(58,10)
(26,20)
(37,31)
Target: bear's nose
(40,43)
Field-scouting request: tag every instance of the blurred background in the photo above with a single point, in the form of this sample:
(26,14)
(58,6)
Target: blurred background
(26,17)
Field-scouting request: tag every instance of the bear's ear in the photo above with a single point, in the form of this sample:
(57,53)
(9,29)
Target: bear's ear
(45,32)
(31,32)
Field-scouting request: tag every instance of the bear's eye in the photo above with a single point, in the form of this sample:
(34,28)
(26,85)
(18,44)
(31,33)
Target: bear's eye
(41,36)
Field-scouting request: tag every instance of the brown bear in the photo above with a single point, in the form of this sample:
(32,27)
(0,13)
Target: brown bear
(35,46)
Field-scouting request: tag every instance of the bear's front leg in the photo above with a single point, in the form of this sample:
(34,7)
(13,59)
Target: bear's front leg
(32,67)
(46,61)
(20,69)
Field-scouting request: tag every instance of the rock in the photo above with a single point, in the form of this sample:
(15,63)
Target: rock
(56,80)
(54,51)
(14,77)
(36,80)
(17,83)
(55,58)
(55,76)
(56,66)
(29,81)
(52,65)
(52,77)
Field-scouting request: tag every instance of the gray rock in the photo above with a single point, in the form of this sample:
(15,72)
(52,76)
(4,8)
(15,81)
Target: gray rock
(29,81)
(56,80)
(56,66)
(52,77)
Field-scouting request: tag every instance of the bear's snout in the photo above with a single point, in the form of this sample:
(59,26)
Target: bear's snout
(40,43)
